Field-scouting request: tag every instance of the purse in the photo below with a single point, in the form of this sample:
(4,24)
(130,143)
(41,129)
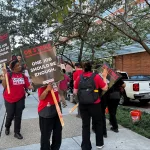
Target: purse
(49,111)
(115,95)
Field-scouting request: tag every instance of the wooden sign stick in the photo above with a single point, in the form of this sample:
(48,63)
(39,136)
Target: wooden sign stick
(74,108)
(7,83)
(57,108)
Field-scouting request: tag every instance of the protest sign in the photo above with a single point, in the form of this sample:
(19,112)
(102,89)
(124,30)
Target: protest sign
(42,64)
(112,76)
(43,69)
(5,53)
(5,50)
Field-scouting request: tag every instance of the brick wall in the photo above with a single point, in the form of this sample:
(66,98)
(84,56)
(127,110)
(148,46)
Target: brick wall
(133,64)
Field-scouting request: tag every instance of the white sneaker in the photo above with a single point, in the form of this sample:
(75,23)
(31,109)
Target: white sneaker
(100,147)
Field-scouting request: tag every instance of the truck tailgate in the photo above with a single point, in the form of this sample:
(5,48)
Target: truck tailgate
(144,86)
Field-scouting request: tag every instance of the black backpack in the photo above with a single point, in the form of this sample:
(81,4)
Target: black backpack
(87,92)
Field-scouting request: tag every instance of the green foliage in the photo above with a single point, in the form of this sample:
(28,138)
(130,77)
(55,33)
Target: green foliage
(142,127)
(30,20)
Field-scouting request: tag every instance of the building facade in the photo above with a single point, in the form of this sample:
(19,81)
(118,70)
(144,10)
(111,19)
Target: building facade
(133,64)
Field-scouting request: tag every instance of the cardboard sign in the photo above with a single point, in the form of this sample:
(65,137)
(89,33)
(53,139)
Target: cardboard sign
(112,76)
(42,64)
(5,50)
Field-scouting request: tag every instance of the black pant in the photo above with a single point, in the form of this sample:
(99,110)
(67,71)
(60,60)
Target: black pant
(47,126)
(14,111)
(112,108)
(88,111)
(78,110)
(103,105)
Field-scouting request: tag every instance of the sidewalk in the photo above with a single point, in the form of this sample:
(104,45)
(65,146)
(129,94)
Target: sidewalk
(72,131)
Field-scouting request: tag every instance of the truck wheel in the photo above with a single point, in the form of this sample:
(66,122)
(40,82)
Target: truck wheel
(123,99)
(144,101)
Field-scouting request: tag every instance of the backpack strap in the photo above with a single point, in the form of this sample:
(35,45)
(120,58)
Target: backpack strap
(92,79)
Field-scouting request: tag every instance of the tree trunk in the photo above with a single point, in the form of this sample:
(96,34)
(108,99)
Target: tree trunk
(93,53)
(81,51)
(69,62)
(145,46)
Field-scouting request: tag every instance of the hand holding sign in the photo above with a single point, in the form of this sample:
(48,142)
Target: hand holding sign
(105,73)
(6,77)
(49,87)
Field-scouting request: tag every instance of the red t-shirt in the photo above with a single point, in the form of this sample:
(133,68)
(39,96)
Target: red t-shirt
(63,85)
(17,83)
(48,99)
(98,82)
(76,74)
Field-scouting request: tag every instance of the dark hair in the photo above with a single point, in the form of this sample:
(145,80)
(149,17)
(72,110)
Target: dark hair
(14,57)
(63,70)
(87,66)
(13,63)
(78,65)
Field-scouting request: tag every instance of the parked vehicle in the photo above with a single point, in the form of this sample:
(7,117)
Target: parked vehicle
(146,77)
(136,89)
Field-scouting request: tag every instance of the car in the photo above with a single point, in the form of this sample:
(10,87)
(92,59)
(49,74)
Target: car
(137,88)
(144,77)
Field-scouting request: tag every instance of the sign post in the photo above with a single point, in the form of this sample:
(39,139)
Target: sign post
(57,108)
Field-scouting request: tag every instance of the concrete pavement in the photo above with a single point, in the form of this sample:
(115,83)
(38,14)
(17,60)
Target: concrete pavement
(72,131)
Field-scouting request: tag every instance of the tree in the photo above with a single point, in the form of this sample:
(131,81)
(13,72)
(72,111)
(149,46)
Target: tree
(133,24)
(83,34)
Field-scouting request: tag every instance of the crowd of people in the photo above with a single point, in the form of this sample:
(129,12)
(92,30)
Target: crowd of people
(86,87)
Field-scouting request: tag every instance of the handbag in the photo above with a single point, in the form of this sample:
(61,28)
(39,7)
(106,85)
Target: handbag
(49,111)
(115,95)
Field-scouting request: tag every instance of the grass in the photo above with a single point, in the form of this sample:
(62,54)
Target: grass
(142,127)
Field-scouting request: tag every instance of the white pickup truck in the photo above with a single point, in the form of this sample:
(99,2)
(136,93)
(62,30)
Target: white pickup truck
(136,89)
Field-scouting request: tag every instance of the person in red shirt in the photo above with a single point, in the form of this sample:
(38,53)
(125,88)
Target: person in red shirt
(93,111)
(78,71)
(76,74)
(63,87)
(15,101)
(48,119)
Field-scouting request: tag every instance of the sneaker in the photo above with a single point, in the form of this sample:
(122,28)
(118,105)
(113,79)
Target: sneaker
(7,131)
(115,130)
(99,147)
(64,105)
(78,116)
(18,136)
